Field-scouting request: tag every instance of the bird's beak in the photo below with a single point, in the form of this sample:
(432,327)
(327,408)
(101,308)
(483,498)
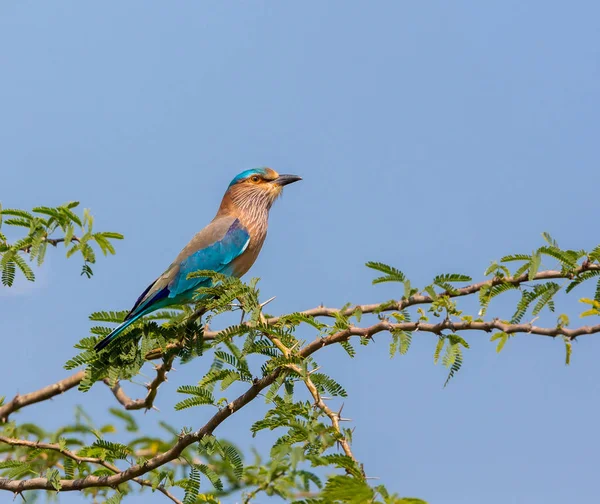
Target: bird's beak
(283,180)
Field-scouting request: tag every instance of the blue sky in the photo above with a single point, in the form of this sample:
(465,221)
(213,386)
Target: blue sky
(435,136)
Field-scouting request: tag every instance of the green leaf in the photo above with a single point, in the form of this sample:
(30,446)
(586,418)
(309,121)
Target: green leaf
(328,385)
(234,457)
(24,267)
(392,274)
(340,461)
(109,316)
(516,257)
(53,477)
(115,498)
(112,236)
(201,396)
(594,255)
(551,288)
(567,258)
(549,240)
(130,423)
(17,213)
(401,341)
(595,310)
(69,465)
(568,349)
(192,487)
(438,349)
(211,475)
(582,277)
(534,265)
(67,212)
(453,359)
(8,273)
(431,291)
(348,490)
(114,450)
(18,222)
(16,469)
(104,244)
(347,346)
(502,338)
(450,278)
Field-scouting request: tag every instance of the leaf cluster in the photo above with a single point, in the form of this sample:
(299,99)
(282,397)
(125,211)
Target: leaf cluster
(39,228)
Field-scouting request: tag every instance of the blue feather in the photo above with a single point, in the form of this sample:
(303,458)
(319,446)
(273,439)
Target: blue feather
(180,289)
(248,173)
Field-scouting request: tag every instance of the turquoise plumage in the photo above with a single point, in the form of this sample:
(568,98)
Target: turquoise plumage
(229,244)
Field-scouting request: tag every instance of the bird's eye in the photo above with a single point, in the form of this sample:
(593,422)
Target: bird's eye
(255,178)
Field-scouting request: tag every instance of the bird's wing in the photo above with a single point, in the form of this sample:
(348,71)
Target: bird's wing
(213,248)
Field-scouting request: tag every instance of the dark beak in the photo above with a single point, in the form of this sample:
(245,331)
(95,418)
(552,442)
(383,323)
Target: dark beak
(283,180)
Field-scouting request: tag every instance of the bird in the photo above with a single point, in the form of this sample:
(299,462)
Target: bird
(229,244)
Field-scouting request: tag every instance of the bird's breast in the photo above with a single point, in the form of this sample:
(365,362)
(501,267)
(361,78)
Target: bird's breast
(258,232)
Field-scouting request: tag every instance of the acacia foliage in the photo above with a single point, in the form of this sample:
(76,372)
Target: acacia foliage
(40,227)
(273,358)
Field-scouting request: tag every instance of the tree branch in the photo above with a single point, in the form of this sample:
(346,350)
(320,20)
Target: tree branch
(460,292)
(148,402)
(43,394)
(137,470)
(78,459)
(333,416)
(52,241)
(419,299)
(367,332)
(260,384)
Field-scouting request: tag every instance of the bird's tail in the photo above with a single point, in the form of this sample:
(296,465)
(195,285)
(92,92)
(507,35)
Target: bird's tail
(118,330)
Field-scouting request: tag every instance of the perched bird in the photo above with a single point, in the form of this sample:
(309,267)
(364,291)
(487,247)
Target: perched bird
(229,244)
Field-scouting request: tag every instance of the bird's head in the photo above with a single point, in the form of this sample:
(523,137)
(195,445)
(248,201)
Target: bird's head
(258,187)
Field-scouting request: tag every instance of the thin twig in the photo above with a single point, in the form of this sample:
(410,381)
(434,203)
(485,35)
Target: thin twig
(333,416)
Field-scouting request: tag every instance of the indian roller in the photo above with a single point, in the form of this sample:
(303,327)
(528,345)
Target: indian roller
(229,244)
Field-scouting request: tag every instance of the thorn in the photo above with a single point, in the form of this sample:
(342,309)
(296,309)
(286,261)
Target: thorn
(313,370)
(344,419)
(326,398)
(294,346)
(339,413)
(262,305)
(155,408)
(372,477)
